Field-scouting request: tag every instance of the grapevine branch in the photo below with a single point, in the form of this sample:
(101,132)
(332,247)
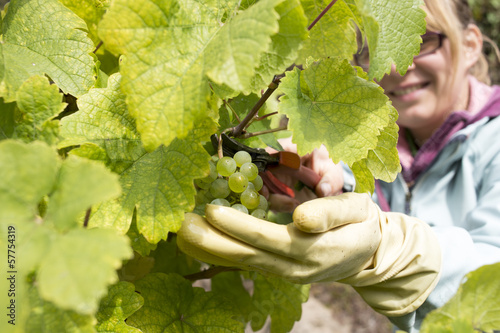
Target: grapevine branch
(238,129)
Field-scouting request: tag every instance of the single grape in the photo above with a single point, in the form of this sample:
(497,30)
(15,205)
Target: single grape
(221,202)
(220,188)
(262,202)
(258,183)
(238,182)
(240,207)
(214,158)
(259,213)
(251,186)
(226,166)
(241,157)
(250,170)
(250,199)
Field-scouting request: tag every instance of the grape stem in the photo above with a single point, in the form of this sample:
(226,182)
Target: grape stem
(321,14)
(97,47)
(87,218)
(232,110)
(238,129)
(249,135)
(265,116)
(210,273)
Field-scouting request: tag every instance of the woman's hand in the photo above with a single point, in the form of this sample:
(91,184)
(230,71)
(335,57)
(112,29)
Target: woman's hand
(319,161)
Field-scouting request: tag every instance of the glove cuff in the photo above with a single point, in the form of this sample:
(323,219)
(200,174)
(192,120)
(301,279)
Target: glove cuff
(405,267)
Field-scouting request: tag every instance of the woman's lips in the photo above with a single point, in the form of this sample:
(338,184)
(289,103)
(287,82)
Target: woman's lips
(401,91)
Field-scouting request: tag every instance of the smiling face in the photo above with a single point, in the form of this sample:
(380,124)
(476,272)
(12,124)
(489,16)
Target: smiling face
(437,84)
(429,91)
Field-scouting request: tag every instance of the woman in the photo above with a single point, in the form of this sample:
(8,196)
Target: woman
(438,221)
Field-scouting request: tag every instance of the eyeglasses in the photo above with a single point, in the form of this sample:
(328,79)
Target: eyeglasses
(431,42)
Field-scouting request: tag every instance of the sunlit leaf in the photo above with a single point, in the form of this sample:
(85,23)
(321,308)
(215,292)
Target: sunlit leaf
(476,305)
(171,304)
(280,299)
(120,302)
(158,185)
(333,35)
(64,272)
(392,30)
(53,44)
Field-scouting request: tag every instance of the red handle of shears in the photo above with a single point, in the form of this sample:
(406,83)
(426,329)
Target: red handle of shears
(304,174)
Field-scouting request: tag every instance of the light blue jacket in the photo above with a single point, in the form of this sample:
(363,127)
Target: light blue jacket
(458,194)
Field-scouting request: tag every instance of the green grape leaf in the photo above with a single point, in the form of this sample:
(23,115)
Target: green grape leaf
(284,45)
(230,285)
(34,243)
(80,184)
(159,185)
(139,243)
(136,268)
(328,103)
(149,36)
(333,35)
(91,151)
(363,177)
(171,304)
(168,259)
(279,299)
(103,120)
(38,103)
(382,162)
(234,53)
(63,276)
(7,119)
(120,302)
(381,20)
(90,12)
(47,317)
(162,68)
(476,304)
(55,44)
(29,172)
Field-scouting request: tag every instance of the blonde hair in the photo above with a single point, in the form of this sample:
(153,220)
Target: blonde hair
(452,17)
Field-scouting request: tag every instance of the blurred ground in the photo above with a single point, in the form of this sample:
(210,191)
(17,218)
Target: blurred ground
(344,312)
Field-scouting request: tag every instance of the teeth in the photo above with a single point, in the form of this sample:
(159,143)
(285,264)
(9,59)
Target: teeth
(406,91)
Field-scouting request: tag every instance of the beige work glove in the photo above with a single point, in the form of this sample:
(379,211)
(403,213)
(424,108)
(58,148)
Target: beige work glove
(391,259)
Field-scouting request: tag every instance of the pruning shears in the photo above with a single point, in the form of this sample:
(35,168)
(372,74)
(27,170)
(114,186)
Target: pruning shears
(287,162)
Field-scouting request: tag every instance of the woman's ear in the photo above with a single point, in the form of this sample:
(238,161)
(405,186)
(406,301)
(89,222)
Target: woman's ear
(473,40)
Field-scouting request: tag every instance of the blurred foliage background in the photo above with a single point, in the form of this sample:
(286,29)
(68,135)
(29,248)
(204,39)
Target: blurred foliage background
(486,14)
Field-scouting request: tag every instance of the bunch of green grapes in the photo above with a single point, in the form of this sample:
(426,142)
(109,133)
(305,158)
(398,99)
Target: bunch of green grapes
(232,182)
